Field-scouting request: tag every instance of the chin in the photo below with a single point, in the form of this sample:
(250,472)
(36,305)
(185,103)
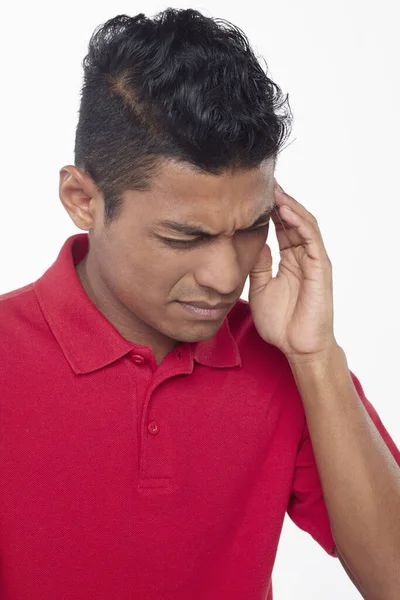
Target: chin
(197,334)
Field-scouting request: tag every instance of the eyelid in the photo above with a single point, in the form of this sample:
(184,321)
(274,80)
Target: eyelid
(184,242)
(203,239)
(200,238)
(259,226)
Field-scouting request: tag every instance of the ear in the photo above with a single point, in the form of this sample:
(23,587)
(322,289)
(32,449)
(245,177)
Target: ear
(79,196)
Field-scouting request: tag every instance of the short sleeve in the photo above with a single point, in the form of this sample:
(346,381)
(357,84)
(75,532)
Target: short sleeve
(306,506)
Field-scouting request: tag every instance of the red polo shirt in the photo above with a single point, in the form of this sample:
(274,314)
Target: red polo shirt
(123,480)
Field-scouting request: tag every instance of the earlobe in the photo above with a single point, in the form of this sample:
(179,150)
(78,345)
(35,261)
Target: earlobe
(76,190)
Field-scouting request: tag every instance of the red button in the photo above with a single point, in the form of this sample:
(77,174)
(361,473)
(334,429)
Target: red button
(153,427)
(137,359)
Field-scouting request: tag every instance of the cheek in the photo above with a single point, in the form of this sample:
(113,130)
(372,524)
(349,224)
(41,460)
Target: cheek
(147,273)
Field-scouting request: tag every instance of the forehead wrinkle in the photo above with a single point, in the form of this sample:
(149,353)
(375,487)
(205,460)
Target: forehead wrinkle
(265,214)
(193,228)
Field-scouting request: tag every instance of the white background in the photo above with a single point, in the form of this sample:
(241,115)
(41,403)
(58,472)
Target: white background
(339,63)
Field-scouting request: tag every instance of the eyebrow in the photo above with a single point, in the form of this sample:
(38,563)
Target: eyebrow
(188,229)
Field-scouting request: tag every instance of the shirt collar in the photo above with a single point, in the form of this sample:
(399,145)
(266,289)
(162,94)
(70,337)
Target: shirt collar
(88,340)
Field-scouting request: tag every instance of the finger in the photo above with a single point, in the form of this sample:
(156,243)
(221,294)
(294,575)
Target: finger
(281,198)
(261,273)
(308,234)
(286,234)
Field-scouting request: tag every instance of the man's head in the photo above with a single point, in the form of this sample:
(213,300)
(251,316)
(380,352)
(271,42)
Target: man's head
(179,128)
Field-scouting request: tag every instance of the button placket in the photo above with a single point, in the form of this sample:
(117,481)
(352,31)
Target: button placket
(156,465)
(155,460)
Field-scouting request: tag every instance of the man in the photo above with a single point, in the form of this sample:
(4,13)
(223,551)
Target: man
(155,428)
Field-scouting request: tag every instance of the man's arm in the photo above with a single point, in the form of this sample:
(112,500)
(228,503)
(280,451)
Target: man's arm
(350,573)
(360,478)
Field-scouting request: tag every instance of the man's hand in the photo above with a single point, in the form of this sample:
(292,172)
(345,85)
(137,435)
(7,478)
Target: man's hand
(294,310)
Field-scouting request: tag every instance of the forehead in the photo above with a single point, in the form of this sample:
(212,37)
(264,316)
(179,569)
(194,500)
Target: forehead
(180,192)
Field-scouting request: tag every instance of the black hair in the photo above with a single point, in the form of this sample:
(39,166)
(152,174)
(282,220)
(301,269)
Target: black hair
(181,86)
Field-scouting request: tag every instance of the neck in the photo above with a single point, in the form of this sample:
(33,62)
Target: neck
(124,321)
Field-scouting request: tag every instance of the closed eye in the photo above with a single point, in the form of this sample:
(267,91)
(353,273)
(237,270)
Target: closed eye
(182,243)
(252,229)
(175,243)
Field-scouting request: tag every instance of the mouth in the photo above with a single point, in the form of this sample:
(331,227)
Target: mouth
(204,311)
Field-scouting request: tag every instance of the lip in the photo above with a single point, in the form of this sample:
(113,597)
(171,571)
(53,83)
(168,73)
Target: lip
(205,311)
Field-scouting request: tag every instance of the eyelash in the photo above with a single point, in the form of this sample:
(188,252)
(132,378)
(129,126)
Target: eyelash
(190,243)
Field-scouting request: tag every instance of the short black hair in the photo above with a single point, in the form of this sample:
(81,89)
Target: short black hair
(181,86)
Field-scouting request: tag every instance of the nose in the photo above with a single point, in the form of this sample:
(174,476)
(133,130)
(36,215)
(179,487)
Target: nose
(220,268)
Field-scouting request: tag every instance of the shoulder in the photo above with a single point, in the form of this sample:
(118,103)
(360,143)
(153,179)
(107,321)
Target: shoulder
(19,315)
(11,303)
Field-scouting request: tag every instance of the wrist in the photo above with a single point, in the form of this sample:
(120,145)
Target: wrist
(317,360)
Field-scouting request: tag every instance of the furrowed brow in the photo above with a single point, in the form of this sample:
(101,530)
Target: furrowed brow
(262,218)
(185,229)
(195,230)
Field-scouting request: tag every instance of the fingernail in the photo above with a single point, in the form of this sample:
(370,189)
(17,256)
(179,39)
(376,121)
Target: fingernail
(280,188)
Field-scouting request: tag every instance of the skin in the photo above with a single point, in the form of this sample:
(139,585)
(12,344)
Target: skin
(135,277)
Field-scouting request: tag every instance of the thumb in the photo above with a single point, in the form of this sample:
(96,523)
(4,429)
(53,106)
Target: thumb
(261,273)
